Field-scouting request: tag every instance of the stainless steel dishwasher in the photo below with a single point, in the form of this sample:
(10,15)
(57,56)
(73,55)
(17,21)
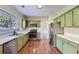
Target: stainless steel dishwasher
(10,47)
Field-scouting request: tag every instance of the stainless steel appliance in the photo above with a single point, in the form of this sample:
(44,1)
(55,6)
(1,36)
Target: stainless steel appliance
(10,47)
(54,28)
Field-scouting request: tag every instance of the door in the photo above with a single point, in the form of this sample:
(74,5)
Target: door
(76,16)
(68,19)
(69,47)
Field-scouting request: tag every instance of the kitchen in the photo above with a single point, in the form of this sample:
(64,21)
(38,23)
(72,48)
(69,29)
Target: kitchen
(17,28)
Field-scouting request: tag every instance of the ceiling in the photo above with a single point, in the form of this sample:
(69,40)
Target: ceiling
(33,10)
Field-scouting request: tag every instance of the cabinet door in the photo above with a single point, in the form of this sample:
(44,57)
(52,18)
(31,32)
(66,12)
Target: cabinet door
(20,43)
(62,20)
(1,49)
(27,37)
(69,47)
(57,20)
(76,16)
(68,19)
(59,43)
(78,48)
(23,38)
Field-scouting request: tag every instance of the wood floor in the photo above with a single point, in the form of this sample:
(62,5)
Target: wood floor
(38,47)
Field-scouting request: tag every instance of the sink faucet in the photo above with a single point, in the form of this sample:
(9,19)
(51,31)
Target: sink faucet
(15,31)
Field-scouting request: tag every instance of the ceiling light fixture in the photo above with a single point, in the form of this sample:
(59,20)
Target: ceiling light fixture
(40,6)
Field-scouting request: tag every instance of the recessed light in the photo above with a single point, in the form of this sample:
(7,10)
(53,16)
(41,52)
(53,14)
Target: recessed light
(40,6)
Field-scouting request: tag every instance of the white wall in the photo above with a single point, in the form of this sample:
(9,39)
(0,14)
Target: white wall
(72,30)
(44,28)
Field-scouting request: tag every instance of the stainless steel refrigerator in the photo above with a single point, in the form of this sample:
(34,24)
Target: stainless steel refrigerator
(54,28)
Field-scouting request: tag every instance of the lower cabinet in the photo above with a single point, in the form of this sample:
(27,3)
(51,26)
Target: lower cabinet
(25,39)
(59,43)
(19,39)
(66,46)
(69,47)
(22,40)
(13,46)
(1,49)
(20,43)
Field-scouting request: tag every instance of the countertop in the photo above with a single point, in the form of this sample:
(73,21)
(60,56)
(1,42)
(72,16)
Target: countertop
(70,37)
(7,38)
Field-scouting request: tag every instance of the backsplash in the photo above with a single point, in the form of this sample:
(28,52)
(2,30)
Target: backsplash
(73,30)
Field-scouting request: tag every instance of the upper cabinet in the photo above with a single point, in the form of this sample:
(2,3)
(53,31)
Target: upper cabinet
(57,20)
(62,21)
(68,19)
(76,16)
(34,23)
(24,23)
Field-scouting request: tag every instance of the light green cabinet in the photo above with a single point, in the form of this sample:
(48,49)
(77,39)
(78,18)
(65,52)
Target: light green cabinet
(22,40)
(57,20)
(68,19)
(25,39)
(66,46)
(69,47)
(78,48)
(62,20)
(20,43)
(76,16)
(1,49)
(59,43)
